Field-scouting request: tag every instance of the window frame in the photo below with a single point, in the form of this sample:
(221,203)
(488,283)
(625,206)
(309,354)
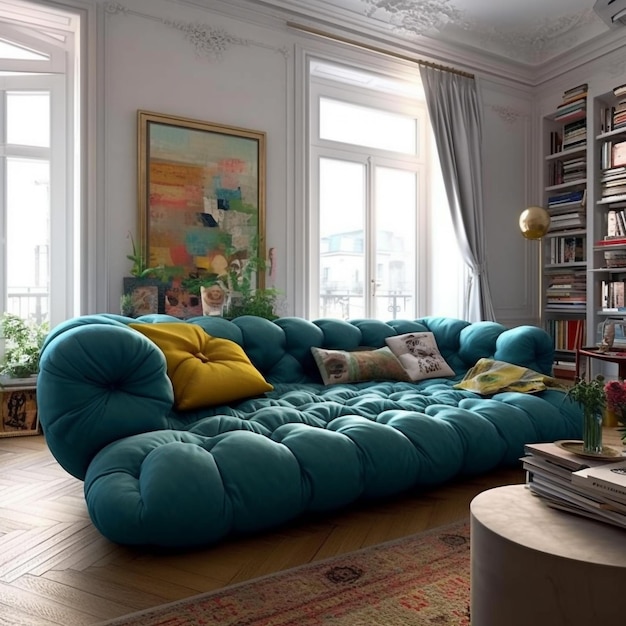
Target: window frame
(317,148)
(56,75)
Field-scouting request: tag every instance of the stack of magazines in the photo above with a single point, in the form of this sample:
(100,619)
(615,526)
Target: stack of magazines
(587,487)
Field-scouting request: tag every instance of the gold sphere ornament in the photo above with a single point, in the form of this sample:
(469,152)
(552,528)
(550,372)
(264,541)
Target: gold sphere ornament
(534,222)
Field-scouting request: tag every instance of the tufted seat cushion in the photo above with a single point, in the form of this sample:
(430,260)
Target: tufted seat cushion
(161,476)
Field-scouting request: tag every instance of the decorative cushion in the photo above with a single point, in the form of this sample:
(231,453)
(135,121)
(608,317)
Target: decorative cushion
(339,366)
(419,355)
(204,370)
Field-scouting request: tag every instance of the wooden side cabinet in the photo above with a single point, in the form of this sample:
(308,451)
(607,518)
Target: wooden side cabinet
(18,408)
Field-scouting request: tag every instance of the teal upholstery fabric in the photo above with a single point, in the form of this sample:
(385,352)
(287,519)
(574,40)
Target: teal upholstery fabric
(161,477)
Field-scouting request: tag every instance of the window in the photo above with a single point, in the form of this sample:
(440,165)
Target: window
(38,222)
(379,228)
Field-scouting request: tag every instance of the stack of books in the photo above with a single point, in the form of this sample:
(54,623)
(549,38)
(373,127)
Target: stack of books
(588,487)
(618,112)
(566,201)
(573,106)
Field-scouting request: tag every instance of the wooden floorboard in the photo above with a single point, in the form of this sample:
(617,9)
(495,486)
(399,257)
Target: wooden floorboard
(56,569)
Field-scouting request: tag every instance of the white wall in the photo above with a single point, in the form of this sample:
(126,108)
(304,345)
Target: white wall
(148,64)
(512,261)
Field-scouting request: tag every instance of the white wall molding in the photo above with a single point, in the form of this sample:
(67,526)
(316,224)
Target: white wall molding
(509,115)
(207,40)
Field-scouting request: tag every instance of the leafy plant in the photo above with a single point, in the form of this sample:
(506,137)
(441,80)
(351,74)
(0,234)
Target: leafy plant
(23,342)
(140,268)
(590,394)
(126,305)
(194,281)
(260,302)
(244,298)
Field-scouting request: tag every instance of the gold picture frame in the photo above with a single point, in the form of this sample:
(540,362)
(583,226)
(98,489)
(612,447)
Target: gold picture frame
(201,193)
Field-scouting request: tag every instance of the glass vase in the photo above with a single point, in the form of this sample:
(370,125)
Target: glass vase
(592,432)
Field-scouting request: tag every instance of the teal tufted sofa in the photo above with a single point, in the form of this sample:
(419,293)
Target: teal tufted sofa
(160,477)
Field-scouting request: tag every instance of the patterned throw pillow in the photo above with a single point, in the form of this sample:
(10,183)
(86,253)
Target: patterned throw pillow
(419,355)
(339,366)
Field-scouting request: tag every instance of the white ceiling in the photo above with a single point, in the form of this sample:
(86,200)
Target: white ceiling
(529,32)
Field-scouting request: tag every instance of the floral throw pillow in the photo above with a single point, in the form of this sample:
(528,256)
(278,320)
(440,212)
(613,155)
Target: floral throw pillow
(419,355)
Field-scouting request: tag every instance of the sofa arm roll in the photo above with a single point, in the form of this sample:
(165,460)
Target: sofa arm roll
(527,346)
(99,383)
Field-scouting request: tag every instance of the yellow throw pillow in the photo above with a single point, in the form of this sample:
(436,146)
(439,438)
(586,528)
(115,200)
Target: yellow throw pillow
(204,370)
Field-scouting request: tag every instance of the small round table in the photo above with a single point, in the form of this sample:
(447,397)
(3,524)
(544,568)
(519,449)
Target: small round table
(532,565)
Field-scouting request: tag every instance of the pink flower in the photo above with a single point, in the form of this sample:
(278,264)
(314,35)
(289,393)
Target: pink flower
(616,396)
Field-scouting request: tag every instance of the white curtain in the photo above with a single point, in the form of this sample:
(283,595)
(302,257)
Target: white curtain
(454,109)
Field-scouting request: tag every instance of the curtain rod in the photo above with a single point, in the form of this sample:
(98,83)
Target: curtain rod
(358,44)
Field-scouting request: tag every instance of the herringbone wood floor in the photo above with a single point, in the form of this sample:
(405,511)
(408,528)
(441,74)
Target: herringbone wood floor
(55,568)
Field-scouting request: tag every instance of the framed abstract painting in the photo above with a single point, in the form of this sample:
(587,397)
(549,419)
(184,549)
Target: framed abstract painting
(201,195)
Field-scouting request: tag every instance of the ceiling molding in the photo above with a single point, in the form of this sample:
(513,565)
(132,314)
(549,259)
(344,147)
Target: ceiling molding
(588,52)
(413,17)
(542,51)
(276,13)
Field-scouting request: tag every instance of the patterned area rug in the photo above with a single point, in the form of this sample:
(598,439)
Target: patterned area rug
(422,580)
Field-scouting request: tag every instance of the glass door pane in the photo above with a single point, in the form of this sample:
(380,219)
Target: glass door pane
(365,126)
(396,245)
(342,198)
(28,118)
(28,238)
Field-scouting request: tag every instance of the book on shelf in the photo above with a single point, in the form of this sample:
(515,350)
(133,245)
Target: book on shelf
(575,104)
(577,195)
(613,199)
(611,241)
(566,207)
(618,154)
(582,88)
(570,116)
(567,249)
(568,334)
(556,142)
(620,90)
(614,225)
(612,294)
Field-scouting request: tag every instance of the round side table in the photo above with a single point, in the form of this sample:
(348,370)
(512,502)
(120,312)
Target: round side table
(535,565)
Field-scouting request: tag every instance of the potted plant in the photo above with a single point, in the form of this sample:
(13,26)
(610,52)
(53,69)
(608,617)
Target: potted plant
(591,396)
(244,298)
(140,267)
(22,347)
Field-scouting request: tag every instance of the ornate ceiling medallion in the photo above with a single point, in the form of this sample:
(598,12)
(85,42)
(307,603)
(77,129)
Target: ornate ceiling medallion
(415,16)
(537,43)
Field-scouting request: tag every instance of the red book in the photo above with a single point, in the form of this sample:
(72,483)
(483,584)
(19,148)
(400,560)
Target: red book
(612,242)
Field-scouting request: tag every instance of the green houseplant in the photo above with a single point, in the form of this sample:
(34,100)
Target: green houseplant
(591,396)
(244,298)
(140,267)
(23,342)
